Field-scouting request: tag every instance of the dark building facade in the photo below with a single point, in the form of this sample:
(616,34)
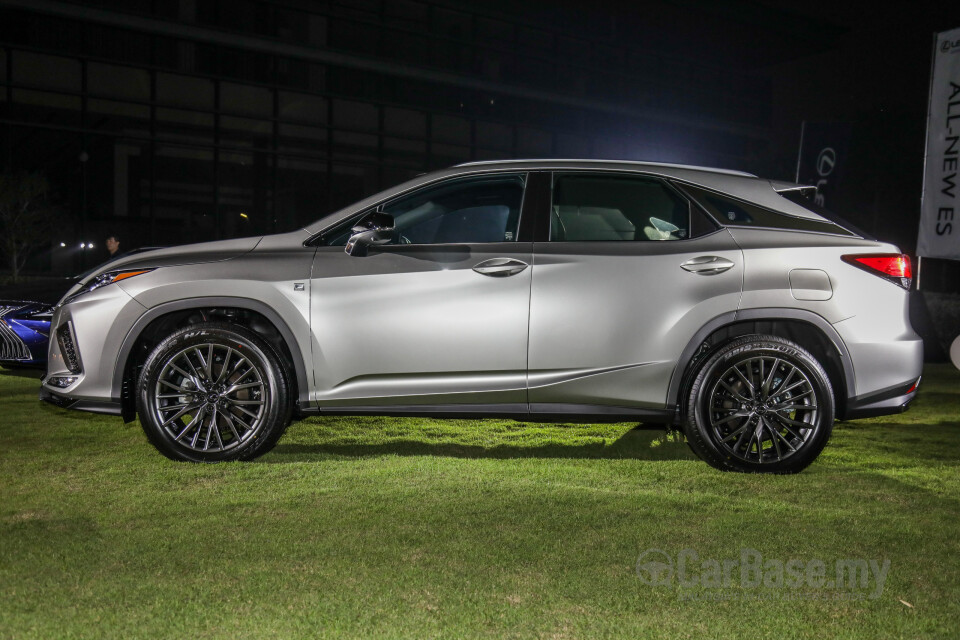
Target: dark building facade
(172,121)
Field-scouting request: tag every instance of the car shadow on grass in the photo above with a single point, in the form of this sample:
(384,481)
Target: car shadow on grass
(640,443)
(893,442)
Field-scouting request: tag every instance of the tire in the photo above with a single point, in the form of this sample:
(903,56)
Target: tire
(244,393)
(778,422)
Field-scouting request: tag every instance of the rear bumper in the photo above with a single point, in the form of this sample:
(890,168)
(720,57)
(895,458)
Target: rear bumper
(888,401)
(887,359)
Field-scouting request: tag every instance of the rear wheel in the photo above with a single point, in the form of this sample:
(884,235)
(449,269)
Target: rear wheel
(760,404)
(213,392)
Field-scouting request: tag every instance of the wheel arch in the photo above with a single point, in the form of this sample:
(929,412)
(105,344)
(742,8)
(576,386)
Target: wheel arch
(810,330)
(160,320)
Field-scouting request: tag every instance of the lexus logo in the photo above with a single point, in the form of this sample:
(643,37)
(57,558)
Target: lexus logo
(826,161)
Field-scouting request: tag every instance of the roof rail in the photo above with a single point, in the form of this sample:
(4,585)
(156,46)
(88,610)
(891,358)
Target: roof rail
(732,172)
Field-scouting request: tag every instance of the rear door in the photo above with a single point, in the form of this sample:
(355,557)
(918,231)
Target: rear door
(627,273)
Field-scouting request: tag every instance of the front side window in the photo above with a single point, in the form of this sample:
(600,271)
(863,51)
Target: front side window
(594,208)
(462,211)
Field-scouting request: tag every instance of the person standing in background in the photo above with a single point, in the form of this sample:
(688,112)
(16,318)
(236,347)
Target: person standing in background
(113,245)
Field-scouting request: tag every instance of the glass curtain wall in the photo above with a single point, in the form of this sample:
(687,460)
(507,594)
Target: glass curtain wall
(165,140)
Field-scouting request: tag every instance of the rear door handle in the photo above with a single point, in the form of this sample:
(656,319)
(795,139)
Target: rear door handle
(500,267)
(706,265)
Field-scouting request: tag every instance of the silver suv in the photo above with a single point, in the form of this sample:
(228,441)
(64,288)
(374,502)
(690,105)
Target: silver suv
(536,290)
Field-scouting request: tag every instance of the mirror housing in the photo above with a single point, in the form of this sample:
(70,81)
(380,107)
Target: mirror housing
(374,228)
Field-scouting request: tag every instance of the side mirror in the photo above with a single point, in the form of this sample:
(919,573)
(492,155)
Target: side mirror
(374,228)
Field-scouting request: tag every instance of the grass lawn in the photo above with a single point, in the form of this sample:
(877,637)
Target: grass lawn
(367,527)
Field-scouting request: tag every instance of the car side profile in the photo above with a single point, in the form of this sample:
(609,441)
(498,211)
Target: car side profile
(560,290)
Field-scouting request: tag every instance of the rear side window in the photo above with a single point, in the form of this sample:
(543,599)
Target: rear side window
(605,208)
(807,202)
(738,213)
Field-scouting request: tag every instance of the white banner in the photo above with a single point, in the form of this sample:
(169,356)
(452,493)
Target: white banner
(939,235)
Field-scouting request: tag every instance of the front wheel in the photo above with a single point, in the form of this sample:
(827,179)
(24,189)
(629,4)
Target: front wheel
(760,404)
(213,392)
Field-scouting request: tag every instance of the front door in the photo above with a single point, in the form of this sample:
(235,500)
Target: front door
(438,317)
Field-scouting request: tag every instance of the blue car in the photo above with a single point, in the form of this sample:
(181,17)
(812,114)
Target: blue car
(24,330)
(25,313)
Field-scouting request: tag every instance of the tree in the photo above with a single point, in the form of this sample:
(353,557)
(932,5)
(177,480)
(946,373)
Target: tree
(27,216)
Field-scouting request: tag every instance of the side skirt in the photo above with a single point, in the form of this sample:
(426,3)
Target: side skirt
(521,412)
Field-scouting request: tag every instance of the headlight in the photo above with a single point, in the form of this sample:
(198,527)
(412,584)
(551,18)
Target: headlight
(105,278)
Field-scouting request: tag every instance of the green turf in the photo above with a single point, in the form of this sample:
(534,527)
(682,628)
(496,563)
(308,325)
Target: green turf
(366,527)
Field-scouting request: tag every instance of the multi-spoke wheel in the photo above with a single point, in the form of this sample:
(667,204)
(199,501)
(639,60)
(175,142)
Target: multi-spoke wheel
(760,403)
(213,392)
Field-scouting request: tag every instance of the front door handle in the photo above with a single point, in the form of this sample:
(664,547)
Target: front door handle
(706,265)
(500,267)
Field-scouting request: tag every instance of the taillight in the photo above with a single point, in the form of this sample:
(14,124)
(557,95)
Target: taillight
(894,267)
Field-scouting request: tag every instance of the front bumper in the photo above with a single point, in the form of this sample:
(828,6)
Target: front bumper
(82,361)
(66,402)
